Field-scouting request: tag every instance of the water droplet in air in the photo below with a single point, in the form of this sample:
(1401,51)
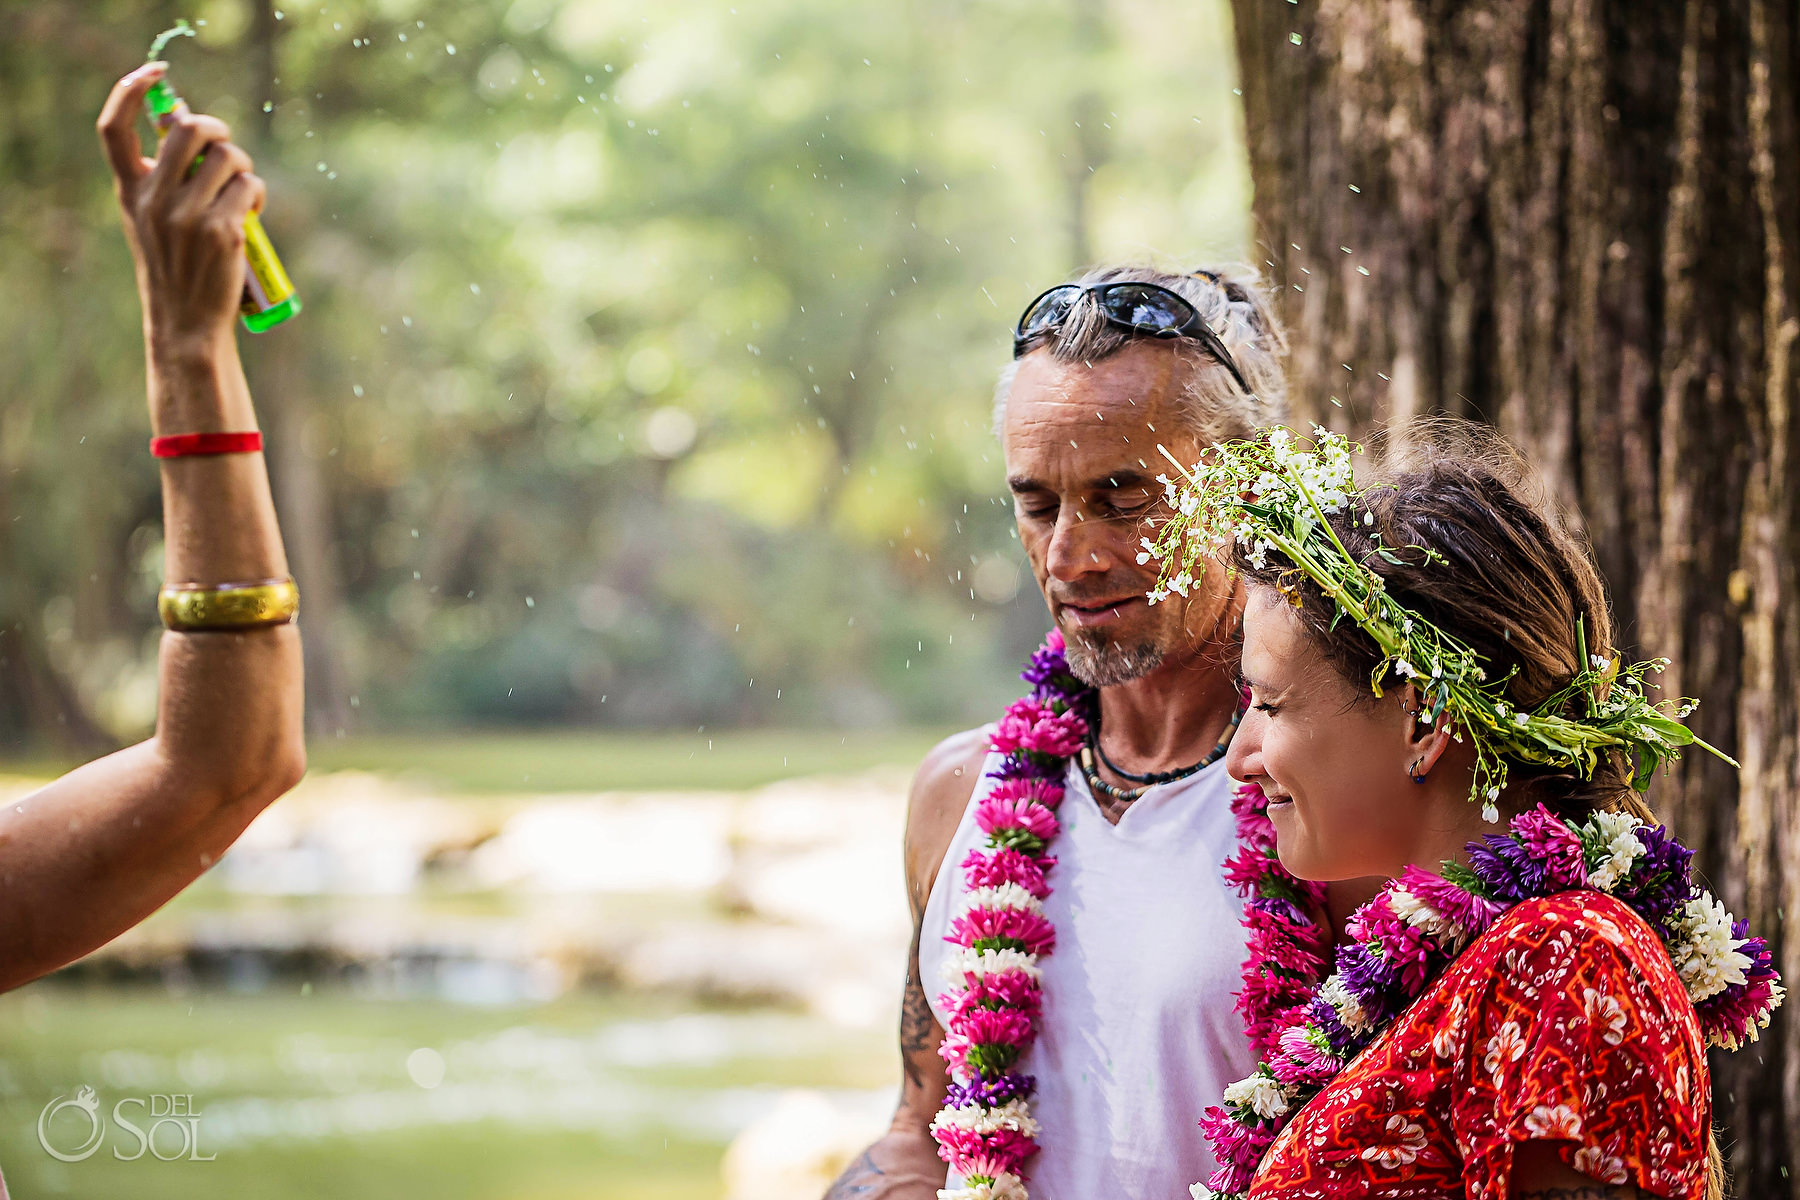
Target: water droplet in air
(426,1066)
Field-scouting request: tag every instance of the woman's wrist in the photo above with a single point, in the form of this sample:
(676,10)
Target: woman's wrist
(175,351)
(192,387)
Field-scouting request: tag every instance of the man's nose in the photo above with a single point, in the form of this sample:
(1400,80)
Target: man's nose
(1078,546)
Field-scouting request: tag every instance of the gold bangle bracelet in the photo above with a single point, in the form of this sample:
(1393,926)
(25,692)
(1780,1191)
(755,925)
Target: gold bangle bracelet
(193,607)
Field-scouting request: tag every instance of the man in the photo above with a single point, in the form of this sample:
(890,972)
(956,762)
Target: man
(1138,1033)
(98,850)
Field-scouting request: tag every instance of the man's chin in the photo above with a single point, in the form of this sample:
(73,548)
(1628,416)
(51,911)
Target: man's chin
(1107,661)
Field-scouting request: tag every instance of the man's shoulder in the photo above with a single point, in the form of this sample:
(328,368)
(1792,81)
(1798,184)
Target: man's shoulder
(946,777)
(941,790)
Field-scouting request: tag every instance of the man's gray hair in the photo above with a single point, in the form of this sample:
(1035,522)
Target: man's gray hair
(1233,305)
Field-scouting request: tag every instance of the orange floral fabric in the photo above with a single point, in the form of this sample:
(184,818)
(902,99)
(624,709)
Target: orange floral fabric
(1565,1022)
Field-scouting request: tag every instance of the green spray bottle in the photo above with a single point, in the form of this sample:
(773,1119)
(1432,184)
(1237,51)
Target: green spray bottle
(269,296)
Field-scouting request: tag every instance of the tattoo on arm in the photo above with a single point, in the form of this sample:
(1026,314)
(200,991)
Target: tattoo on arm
(859,1177)
(917,1024)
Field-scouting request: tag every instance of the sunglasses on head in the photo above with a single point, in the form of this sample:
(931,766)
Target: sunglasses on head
(1143,308)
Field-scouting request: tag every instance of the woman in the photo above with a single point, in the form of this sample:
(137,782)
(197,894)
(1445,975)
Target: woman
(1523,1009)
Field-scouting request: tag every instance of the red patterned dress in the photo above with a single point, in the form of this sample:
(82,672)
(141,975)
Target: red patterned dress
(1565,1022)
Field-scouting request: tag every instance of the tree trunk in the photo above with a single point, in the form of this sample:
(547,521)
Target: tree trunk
(303,502)
(38,709)
(1089,146)
(302,496)
(1578,220)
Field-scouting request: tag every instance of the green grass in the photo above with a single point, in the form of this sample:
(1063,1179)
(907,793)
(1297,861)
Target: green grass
(578,762)
(332,1110)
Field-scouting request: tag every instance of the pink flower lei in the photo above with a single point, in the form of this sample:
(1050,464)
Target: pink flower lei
(1307,1027)
(985,1130)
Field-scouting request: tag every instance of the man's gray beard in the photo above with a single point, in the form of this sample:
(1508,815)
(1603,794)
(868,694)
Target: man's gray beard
(1106,663)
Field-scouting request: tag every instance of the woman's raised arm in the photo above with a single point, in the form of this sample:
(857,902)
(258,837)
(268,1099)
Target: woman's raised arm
(93,853)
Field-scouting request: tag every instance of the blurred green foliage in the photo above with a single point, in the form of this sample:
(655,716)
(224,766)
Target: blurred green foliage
(645,369)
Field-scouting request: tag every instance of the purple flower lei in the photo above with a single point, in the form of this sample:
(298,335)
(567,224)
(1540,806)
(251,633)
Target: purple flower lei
(985,1130)
(1405,937)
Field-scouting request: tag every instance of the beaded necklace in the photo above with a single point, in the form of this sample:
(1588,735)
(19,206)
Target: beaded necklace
(1093,750)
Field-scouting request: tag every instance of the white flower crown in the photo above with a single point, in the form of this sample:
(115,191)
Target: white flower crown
(1274,494)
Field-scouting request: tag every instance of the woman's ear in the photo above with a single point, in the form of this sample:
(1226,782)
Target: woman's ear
(1425,741)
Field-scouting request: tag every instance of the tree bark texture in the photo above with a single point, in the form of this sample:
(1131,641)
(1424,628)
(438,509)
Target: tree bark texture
(1578,220)
(297,478)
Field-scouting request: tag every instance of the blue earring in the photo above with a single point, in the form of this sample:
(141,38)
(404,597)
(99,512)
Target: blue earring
(1413,773)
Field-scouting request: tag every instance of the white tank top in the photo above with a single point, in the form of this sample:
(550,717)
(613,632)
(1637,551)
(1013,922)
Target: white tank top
(1138,1034)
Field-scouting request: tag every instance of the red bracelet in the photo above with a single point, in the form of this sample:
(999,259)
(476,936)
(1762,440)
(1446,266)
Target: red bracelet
(181,445)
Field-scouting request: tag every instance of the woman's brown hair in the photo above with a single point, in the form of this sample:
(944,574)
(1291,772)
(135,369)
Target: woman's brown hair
(1510,580)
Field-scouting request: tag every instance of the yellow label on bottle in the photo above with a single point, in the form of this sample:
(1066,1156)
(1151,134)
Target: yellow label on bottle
(267,283)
